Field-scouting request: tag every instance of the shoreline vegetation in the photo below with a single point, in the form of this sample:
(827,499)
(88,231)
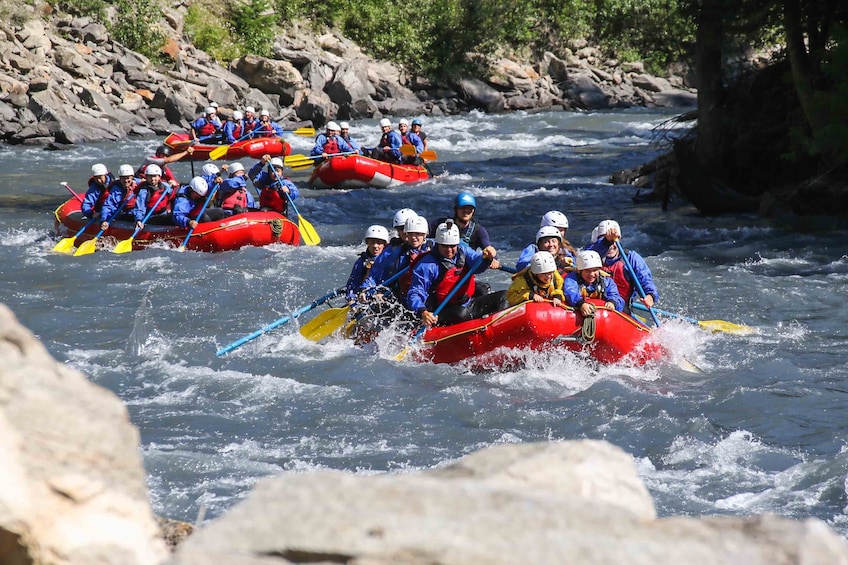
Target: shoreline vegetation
(769,136)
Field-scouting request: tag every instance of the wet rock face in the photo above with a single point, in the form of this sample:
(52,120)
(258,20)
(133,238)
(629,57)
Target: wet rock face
(96,89)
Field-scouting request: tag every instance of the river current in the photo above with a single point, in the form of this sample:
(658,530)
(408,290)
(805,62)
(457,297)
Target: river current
(760,426)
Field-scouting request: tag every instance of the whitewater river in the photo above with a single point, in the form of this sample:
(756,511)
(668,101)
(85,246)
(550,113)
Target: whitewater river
(762,428)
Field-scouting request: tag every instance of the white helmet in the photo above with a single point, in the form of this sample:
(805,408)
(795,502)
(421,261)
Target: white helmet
(554,218)
(603,228)
(447,233)
(237,115)
(277,162)
(416,224)
(401,216)
(403,122)
(99,169)
(548,231)
(198,185)
(385,122)
(235,167)
(211,110)
(210,169)
(377,232)
(152,170)
(250,110)
(265,113)
(588,260)
(542,262)
(333,126)
(126,171)
(344,125)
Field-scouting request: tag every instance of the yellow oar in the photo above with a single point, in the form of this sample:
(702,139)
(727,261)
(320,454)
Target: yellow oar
(66,245)
(325,323)
(90,245)
(712,325)
(307,232)
(299,159)
(125,246)
(409,151)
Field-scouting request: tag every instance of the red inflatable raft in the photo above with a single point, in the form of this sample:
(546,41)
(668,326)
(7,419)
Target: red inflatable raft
(251,148)
(248,229)
(497,340)
(357,171)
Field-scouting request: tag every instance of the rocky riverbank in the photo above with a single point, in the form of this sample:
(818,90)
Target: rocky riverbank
(74,492)
(64,80)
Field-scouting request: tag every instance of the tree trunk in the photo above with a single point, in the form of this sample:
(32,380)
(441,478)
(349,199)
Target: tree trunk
(803,67)
(708,70)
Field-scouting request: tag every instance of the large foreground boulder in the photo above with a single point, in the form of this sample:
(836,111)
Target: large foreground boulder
(73,486)
(572,502)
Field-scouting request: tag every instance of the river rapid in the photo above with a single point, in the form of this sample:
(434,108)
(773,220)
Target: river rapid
(761,426)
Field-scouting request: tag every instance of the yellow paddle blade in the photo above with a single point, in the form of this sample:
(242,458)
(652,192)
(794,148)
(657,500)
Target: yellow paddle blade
(219,152)
(65,245)
(300,166)
(307,232)
(296,158)
(726,327)
(87,247)
(325,323)
(409,151)
(308,132)
(124,246)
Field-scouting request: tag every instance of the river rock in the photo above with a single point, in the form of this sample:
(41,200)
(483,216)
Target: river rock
(569,502)
(74,489)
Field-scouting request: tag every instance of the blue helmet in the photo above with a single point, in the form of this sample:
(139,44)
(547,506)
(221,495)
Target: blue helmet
(417,122)
(465,199)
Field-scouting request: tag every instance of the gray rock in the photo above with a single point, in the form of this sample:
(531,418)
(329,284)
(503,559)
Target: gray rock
(570,502)
(650,83)
(270,76)
(586,92)
(478,94)
(74,487)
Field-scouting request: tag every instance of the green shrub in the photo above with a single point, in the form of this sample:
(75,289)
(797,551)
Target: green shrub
(137,26)
(212,33)
(254,22)
(95,9)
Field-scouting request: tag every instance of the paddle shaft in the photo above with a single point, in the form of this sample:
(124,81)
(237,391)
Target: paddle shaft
(636,282)
(450,295)
(115,215)
(291,160)
(307,232)
(221,151)
(200,214)
(150,212)
(317,329)
(71,190)
(314,304)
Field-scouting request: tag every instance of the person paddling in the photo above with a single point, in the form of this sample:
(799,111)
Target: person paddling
(98,191)
(330,143)
(125,188)
(189,203)
(207,128)
(376,239)
(272,185)
(603,241)
(436,274)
